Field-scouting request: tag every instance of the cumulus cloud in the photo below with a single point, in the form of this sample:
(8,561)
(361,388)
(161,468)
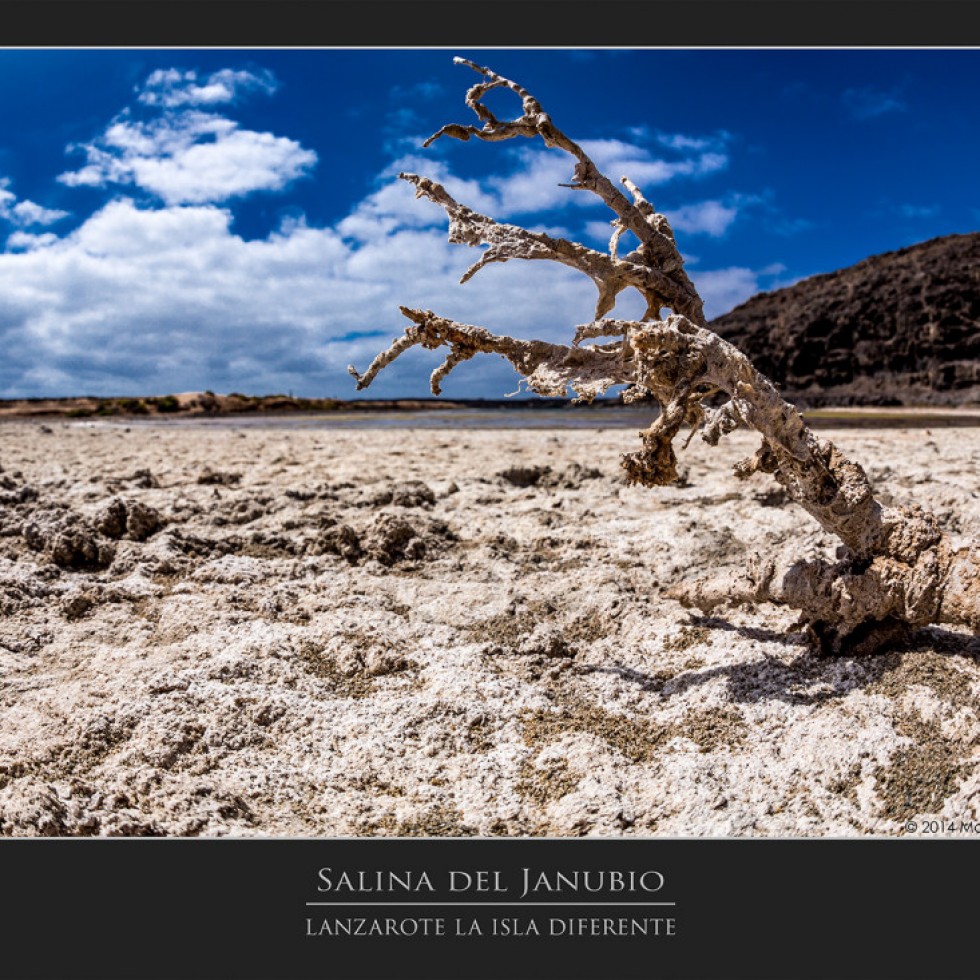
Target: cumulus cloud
(724,289)
(170,88)
(188,155)
(29,213)
(534,183)
(705,218)
(156,299)
(23,240)
(394,205)
(25,213)
(191,158)
(145,298)
(150,300)
(597,234)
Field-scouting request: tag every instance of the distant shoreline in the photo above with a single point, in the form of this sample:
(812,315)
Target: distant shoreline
(209,406)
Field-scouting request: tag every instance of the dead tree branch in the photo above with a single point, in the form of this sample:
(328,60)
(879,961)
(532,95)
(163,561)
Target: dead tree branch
(657,247)
(548,369)
(895,568)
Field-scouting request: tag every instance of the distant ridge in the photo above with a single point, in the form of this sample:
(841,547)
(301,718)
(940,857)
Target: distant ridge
(900,328)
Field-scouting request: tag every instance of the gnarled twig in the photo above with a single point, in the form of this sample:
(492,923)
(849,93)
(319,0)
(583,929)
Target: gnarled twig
(896,568)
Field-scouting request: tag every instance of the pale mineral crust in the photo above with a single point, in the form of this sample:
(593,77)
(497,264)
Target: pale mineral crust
(441,632)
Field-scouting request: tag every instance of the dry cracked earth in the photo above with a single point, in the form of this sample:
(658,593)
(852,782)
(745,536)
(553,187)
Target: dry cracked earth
(265,631)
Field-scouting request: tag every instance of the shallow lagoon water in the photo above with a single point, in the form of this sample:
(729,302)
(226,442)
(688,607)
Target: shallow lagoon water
(567,417)
(619,417)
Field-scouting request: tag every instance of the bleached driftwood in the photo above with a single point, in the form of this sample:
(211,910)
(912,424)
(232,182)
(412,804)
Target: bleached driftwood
(895,568)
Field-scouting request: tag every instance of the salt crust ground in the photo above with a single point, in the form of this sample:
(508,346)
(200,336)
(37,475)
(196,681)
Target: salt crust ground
(313,644)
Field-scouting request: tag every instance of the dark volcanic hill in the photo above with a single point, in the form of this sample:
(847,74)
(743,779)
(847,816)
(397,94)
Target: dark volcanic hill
(901,328)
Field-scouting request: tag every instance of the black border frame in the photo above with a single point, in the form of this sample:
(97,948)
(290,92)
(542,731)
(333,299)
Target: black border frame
(758,909)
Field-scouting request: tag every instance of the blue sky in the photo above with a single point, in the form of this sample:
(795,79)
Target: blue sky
(181,219)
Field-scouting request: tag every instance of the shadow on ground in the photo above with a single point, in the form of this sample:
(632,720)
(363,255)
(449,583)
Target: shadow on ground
(810,677)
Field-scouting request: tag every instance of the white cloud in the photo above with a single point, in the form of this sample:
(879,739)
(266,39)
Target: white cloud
(29,213)
(25,240)
(25,213)
(534,185)
(394,205)
(616,158)
(724,289)
(236,164)
(143,300)
(598,233)
(152,300)
(773,269)
(171,88)
(191,156)
(552,231)
(684,142)
(705,218)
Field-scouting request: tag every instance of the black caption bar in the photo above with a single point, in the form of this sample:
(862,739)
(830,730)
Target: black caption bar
(517,23)
(509,909)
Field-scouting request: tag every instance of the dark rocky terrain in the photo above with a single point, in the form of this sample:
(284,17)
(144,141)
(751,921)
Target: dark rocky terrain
(901,328)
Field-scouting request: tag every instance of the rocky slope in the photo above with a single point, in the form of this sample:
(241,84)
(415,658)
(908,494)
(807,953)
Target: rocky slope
(901,328)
